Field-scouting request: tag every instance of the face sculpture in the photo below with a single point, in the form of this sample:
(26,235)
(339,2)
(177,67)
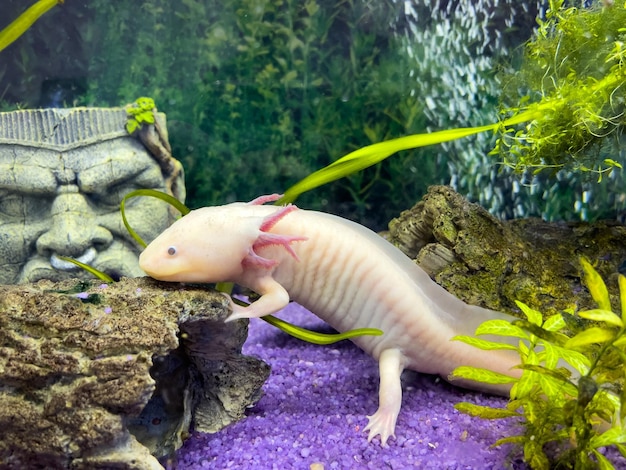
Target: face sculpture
(66,203)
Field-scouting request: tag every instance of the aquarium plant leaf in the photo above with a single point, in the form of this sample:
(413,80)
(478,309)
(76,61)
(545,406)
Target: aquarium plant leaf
(590,336)
(477,374)
(96,272)
(556,338)
(605,316)
(621,281)
(554,323)
(615,435)
(139,113)
(519,440)
(19,26)
(603,462)
(485,412)
(298,332)
(183,209)
(595,284)
(315,337)
(501,328)
(370,155)
(483,343)
(577,360)
(533,315)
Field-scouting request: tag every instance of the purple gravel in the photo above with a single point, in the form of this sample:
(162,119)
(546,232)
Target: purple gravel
(315,406)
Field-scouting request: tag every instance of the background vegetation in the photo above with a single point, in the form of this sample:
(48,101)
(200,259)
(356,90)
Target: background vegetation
(260,93)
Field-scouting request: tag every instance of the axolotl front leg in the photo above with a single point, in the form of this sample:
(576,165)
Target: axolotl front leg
(258,270)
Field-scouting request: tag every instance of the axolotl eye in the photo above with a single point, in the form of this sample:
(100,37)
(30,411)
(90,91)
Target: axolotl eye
(171,250)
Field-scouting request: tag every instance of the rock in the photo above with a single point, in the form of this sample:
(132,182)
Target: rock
(96,376)
(492,263)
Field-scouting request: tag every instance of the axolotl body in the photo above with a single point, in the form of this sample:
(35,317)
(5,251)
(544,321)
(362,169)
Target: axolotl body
(346,274)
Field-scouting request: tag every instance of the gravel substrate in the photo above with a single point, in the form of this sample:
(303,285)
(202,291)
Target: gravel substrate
(314,410)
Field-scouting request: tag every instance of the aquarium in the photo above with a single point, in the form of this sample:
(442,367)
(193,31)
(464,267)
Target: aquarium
(485,139)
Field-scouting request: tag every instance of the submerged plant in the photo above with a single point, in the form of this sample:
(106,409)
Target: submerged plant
(18,27)
(139,113)
(571,115)
(570,394)
(575,70)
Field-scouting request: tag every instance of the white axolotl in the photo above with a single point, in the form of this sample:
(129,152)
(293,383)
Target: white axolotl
(346,274)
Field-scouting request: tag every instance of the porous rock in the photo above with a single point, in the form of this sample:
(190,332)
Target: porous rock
(96,376)
(489,262)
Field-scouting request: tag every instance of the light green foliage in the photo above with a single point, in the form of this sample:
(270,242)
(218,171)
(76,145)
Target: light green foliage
(566,420)
(139,113)
(575,71)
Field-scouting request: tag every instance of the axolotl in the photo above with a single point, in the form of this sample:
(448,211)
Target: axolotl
(346,274)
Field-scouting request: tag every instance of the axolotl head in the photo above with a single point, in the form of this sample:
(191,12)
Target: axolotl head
(206,245)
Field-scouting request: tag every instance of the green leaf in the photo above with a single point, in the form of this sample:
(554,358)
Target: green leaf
(131,126)
(477,374)
(501,328)
(603,462)
(518,440)
(315,337)
(485,412)
(615,435)
(577,360)
(483,343)
(602,315)
(621,280)
(19,26)
(554,337)
(96,272)
(533,316)
(620,342)
(375,153)
(590,336)
(596,286)
(551,357)
(554,323)
(524,386)
(184,210)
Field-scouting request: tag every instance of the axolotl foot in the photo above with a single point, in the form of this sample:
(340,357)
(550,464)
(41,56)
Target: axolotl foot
(382,422)
(390,363)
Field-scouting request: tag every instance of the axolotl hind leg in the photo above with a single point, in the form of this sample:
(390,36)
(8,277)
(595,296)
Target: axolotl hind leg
(383,422)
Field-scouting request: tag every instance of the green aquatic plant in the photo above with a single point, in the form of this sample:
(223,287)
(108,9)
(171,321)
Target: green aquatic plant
(18,27)
(372,154)
(570,396)
(139,113)
(575,70)
(578,59)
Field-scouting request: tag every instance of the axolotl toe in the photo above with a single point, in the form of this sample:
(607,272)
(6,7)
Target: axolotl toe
(346,274)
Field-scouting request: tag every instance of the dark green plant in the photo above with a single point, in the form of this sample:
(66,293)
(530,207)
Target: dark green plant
(261,93)
(561,414)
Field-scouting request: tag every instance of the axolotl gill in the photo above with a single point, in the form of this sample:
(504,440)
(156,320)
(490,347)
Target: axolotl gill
(346,274)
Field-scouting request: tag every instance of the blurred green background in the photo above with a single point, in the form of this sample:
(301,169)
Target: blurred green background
(260,93)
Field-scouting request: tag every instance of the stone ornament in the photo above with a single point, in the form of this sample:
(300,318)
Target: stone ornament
(63,173)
